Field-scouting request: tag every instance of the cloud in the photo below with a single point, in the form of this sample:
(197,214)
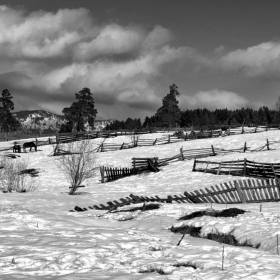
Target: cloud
(42,34)
(48,56)
(260,60)
(215,99)
(112,39)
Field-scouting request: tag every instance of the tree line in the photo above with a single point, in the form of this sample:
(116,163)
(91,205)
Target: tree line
(170,115)
(81,114)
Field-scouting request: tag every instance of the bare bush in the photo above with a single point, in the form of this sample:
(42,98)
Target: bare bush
(12,179)
(78,162)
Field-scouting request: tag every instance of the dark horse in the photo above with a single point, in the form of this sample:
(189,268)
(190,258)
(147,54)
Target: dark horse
(29,145)
(16,148)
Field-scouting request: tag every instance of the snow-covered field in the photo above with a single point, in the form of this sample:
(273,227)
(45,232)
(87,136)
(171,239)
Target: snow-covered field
(41,239)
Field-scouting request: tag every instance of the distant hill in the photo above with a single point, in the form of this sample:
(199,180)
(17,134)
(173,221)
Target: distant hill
(46,122)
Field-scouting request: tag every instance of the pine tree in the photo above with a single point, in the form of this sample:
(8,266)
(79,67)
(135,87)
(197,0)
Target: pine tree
(7,121)
(169,113)
(81,112)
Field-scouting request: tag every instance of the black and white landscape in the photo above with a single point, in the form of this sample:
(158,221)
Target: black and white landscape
(186,75)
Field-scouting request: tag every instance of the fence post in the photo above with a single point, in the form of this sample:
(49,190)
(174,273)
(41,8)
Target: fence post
(168,138)
(50,140)
(155,141)
(242,130)
(244,168)
(239,191)
(245,147)
(194,164)
(182,155)
(213,151)
(36,142)
(267,144)
(102,174)
(133,162)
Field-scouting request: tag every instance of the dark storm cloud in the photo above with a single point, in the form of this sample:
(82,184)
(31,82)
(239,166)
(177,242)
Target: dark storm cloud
(129,60)
(52,55)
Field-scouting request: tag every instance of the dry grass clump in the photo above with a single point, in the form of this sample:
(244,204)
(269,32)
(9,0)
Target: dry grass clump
(231,212)
(12,177)
(228,238)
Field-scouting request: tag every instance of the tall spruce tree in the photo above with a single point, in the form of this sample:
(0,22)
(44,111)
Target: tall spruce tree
(7,121)
(169,113)
(81,112)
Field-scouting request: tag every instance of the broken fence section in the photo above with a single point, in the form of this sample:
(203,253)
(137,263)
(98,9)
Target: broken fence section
(233,192)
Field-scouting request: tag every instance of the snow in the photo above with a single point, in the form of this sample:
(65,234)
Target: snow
(41,239)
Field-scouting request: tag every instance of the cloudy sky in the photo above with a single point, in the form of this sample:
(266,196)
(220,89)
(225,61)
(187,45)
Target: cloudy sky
(220,53)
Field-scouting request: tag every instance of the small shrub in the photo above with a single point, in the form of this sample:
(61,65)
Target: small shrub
(78,163)
(13,179)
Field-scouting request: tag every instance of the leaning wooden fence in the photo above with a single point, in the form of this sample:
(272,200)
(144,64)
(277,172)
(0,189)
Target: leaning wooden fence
(139,165)
(241,191)
(238,168)
(238,191)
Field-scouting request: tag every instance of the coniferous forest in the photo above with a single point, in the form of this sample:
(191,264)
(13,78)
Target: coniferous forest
(169,115)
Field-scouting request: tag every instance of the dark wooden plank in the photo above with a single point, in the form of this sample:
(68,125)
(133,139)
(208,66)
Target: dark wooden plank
(216,193)
(212,195)
(227,193)
(204,196)
(222,194)
(264,189)
(246,190)
(277,186)
(232,192)
(259,190)
(253,191)
(200,197)
(269,189)
(239,191)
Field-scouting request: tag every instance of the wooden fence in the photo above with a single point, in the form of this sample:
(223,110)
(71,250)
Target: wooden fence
(110,174)
(180,137)
(70,137)
(139,165)
(238,191)
(241,191)
(238,168)
(49,141)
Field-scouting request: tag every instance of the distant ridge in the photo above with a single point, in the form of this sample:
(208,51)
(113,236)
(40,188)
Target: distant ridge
(46,122)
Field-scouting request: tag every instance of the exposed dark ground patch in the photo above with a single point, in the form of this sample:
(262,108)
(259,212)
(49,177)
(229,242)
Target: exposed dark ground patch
(231,212)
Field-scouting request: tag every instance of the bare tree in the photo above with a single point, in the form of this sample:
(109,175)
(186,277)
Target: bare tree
(77,163)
